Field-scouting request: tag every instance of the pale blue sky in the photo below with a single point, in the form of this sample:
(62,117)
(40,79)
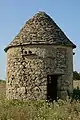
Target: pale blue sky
(14,14)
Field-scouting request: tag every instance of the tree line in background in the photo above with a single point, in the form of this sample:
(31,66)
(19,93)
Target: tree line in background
(76,75)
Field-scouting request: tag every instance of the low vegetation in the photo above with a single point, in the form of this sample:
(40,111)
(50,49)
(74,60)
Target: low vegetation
(76,75)
(2,81)
(40,110)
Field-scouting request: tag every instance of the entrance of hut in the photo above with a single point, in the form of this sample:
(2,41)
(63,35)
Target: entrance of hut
(52,87)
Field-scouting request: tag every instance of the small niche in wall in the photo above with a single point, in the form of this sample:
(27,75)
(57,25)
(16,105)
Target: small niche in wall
(30,52)
(25,52)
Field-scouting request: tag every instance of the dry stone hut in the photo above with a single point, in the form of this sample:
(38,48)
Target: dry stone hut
(39,61)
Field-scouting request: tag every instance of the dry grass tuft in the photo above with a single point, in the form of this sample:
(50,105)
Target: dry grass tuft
(37,110)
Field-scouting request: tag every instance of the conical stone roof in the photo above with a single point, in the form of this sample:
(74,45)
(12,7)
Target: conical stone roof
(41,29)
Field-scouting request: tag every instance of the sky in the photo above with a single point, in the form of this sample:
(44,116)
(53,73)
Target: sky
(14,14)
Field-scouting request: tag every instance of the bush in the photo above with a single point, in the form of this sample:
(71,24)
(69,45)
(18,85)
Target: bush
(76,94)
(2,81)
(76,75)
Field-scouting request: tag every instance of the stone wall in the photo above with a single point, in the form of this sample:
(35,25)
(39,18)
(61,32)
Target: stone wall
(28,67)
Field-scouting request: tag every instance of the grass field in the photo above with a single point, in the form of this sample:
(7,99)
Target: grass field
(37,110)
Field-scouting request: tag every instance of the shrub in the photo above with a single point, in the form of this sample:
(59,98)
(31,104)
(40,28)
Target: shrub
(76,94)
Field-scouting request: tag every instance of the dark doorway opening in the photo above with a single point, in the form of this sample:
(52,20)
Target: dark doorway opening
(52,87)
